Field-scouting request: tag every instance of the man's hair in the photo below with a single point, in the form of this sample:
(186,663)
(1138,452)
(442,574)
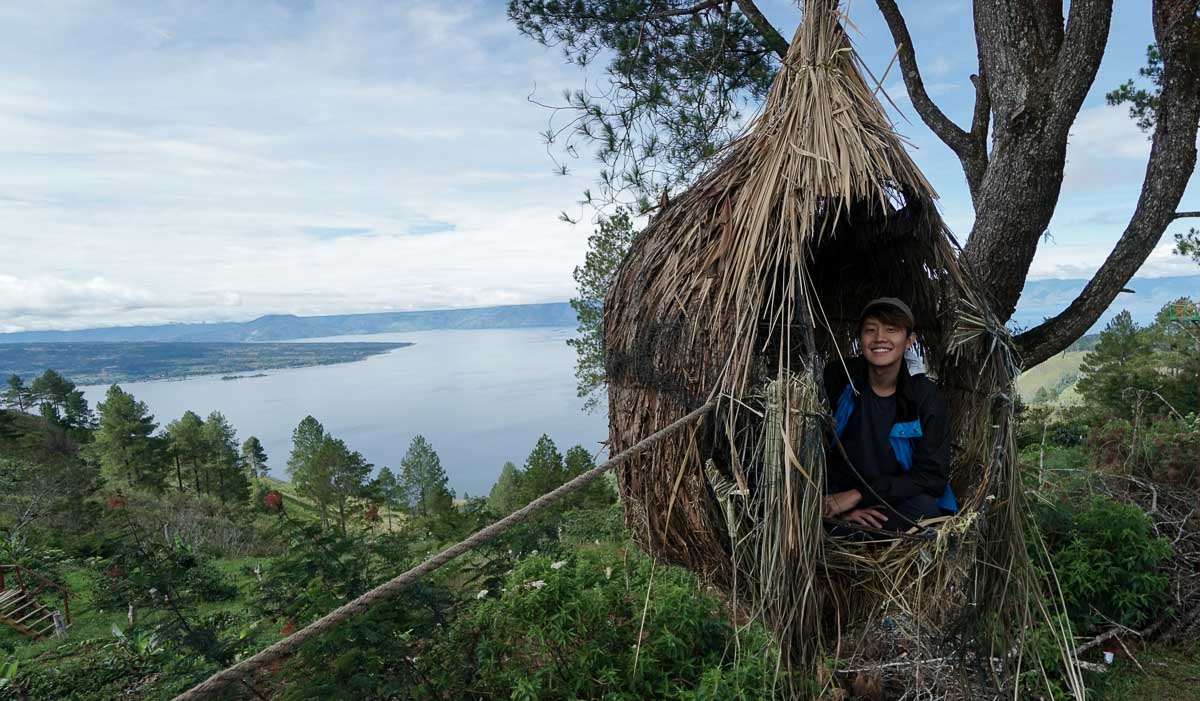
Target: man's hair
(887,314)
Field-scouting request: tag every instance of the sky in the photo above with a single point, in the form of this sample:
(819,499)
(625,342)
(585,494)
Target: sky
(180,161)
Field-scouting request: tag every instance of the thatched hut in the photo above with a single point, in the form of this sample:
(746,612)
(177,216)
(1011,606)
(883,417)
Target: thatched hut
(742,288)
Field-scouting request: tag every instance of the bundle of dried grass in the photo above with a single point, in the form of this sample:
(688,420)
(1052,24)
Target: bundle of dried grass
(742,288)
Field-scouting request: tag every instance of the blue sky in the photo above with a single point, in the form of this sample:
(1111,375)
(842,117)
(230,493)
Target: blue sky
(178,161)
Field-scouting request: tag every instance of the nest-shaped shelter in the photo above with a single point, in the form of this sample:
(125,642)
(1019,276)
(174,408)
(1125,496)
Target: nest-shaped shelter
(741,289)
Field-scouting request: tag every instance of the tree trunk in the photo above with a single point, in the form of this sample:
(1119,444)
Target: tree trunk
(1172,161)
(178,474)
(1035,68)
(1027,169)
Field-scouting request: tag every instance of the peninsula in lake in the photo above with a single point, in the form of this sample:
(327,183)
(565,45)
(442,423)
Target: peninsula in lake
(92,363)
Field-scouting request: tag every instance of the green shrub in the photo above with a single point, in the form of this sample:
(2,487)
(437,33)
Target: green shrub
(370,655)
(1107,560)
(571,629)
(588,525)
(1064,426)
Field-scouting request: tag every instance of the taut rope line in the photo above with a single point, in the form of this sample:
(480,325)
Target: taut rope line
(285,647)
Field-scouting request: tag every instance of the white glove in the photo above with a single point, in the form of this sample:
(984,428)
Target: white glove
(916,363)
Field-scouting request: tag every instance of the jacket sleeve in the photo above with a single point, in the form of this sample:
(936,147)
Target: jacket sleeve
(830,381)
(930,461)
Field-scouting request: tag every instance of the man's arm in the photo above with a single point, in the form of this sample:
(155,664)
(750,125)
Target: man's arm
(829,380)
(931,457)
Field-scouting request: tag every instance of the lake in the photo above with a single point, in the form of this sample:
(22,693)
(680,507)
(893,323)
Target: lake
(481,397)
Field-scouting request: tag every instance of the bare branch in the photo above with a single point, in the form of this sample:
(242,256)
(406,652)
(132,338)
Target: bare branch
(981,115)
(1088,23)
(975,162)
(971,148)
(698,7)
(941,125)
(1185,215)
(771,37)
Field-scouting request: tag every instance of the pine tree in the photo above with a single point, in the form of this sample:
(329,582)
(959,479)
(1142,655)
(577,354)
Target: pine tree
(423,481)
(503,499)
(185,437)
(223,461)
(255,458)
(348,471)
(17,396)
(76,413)
(1175,339)
(308,467)
(607,246)
(1121,364)
(49,390)
(387,487)
(544,470)
(59,401)
(123,440)
(599,492)
(306,440)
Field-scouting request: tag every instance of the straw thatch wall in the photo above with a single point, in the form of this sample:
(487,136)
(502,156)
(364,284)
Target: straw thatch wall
(743,287)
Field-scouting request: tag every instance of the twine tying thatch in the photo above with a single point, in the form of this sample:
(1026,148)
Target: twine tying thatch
(742,288)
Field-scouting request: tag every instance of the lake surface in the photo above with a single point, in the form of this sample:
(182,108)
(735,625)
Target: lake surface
(481,397)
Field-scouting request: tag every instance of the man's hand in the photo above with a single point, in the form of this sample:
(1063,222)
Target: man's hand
(841,502)
(871,517)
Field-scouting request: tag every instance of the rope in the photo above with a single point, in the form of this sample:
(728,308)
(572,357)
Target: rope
(286,646)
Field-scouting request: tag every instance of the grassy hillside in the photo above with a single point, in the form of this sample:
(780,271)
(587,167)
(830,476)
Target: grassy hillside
(1057,375)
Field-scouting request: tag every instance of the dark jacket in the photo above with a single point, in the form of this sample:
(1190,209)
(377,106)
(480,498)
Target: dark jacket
(920,437)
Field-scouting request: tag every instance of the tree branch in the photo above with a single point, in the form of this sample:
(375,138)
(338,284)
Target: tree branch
(1184,215)
(1088,23)
(970,150)
(771,37)
(1172,161)
(694,9)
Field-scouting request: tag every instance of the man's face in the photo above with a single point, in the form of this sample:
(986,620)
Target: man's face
(883,344)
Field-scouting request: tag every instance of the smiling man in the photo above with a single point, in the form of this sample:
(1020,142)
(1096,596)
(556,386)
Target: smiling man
(892,425)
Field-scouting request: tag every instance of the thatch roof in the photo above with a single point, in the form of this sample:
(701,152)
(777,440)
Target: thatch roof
(742,287)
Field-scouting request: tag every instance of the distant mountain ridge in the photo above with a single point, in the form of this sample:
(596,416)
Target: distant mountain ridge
(286,327)
(1040,299)
(1045,298)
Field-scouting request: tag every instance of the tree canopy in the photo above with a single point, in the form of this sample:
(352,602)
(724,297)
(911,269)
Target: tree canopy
(254,457)
(1133,364)
(123,440)
(423,481)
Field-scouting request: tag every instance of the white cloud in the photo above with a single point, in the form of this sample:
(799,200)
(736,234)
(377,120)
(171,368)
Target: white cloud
(183,162)
(1104,149)
(1082,260)
(55,302)
(1109,131)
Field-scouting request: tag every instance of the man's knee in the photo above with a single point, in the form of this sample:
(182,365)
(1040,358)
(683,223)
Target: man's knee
(907,513)
(919,507)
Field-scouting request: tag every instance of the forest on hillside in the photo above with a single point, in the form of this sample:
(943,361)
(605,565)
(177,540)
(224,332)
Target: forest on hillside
(182,556)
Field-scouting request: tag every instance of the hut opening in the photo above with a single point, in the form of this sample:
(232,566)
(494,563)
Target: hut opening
(742,289)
